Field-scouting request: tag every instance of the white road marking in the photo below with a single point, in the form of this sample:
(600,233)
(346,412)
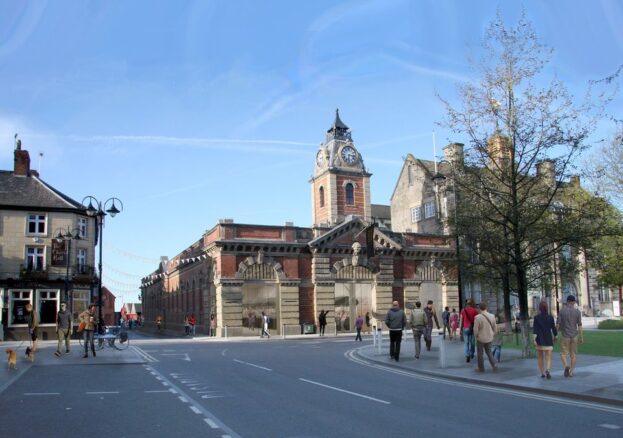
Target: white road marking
(210,423)
(42,393)
(346,391)
(151,392)
(211,396)
(182,399)
(172,391)
(514,392)
(610,426)
(102,392)
(195,410)
(186,356)
(165,383)
(142,353)
(207,414)
(252,365)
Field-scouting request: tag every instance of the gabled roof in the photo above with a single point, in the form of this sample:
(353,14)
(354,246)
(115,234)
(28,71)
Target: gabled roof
(358,223)
(23,192)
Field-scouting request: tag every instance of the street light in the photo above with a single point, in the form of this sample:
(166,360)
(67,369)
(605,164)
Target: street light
(99,211)
(67,235)
(438,179)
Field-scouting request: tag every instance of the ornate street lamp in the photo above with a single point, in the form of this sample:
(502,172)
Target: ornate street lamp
(98,210)
(67,235)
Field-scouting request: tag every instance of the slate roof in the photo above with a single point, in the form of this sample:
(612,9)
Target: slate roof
(31,192)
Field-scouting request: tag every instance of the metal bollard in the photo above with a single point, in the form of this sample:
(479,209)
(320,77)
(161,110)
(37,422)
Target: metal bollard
(374,335)
(379,334)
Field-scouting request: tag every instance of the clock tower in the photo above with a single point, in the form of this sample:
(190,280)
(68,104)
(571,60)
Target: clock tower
(341,184)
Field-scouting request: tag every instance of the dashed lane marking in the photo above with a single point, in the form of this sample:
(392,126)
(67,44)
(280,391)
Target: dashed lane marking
(209,417)
(195,410)
(356,394)
(610,426)
(42,393)
(156,391)
(101,392)
(182,399)
(252,365)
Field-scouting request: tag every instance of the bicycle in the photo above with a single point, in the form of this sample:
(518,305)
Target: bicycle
(112,337)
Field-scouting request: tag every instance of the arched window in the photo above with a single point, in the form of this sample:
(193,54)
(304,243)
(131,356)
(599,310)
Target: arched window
(350,194)
(321,193)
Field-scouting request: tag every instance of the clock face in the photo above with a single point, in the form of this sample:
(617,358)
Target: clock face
(320,158)
(349,155)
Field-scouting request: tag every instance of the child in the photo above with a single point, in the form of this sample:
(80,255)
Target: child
(496,345)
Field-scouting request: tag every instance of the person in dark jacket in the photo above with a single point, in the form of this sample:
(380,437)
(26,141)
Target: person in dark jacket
(64,329)
(544,328)
(395,321)
(322,322)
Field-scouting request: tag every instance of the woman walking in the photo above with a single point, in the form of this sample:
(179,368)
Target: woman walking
(544,328)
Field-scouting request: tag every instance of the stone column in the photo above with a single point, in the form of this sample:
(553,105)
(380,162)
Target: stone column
(229,307)
(289,307)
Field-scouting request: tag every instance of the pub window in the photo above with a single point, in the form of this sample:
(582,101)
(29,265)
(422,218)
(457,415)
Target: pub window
(17,306)
(81,260)
(35,258)
(36,224)
(47,305)
(82,227)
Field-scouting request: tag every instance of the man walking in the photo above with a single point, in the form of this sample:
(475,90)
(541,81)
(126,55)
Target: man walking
(430,313)
(484,331)
(466,324)
(395,321)
(265,322)
(445,319)
(64,329)
(569,324)
(90,323)
(358,326)
(418,323)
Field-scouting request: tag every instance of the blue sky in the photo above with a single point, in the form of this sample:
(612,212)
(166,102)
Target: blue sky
(194,111)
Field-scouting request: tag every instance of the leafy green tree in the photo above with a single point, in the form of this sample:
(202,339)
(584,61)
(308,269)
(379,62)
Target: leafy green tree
(524,134)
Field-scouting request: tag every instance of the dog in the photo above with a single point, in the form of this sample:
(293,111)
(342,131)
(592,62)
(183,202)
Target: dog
(12,358)
(30,354)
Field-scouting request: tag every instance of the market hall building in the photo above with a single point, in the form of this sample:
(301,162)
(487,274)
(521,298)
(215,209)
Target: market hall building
(234,272)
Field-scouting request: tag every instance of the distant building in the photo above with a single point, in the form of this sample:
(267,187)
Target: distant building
(34,262)
(237,271)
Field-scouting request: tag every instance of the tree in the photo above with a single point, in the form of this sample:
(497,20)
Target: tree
(524,136)
(606,168)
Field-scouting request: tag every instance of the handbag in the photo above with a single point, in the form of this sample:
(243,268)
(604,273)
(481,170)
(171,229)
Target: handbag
(82,326)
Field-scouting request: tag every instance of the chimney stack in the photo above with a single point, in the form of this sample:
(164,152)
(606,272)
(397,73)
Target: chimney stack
(21,161)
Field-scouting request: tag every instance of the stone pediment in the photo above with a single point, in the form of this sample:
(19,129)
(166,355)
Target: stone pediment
(342,237)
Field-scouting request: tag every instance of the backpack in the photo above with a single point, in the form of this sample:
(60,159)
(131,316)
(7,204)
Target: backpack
(418,318)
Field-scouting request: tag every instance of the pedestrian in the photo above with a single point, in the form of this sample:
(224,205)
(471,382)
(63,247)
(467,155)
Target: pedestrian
(484,331)
(466,325)
(569,325)
(445,319)
(212,325)
(186,325)
(159,322)
(64,329)
(368,323)
(418,323)
(265,322)
(322,322)
(33,326)
(192,321)
(358,326)
(454,324)
(543,329)
(431,315)
(395,321)
(90,323)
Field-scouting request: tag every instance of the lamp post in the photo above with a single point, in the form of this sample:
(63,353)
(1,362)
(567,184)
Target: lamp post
(99,211)
(67,235)
(557,208)
(438,179)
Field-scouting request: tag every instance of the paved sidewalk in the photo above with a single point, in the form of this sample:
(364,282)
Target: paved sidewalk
(597,378)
